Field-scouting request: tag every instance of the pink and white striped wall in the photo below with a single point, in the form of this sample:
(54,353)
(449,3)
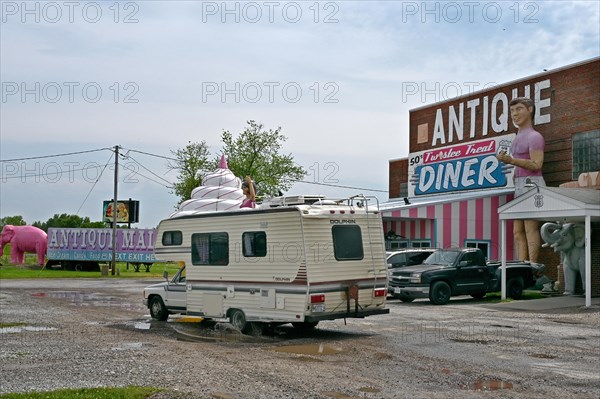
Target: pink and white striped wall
(449,224)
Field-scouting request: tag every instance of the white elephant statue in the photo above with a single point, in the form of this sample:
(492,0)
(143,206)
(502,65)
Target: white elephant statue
(569,239)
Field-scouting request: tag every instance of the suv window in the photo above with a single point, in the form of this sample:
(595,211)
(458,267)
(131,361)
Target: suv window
(408,258)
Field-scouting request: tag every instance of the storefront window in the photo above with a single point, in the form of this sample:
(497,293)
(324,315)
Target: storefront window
(484,246)
(421,243)
(586,152)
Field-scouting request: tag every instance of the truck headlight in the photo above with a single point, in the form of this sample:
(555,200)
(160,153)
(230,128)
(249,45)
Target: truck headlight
(415,278)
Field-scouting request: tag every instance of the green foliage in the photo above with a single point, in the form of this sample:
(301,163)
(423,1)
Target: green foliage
(65,220)
(256,153)
(14,220)
(131,392)
(191,159)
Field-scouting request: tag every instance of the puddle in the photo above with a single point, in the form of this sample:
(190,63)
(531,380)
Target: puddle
(471,340)
(127,346)
(543,356)
(79,298)
(142,325)
(568,370)
(338,395)
(310,349)
(19,329)
(369,390)
(307,359)
(490,385)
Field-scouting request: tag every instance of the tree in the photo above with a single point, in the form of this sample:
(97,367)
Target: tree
(14,220)
(190,160)
(65,220)
(256,153)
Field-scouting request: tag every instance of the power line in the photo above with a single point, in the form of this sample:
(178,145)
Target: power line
(154,174)
(152,155)
(151,172)
(97,180)
(54,156)
(339,186)
(146,177)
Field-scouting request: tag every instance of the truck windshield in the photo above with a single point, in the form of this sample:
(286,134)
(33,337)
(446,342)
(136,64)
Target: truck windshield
(442,257)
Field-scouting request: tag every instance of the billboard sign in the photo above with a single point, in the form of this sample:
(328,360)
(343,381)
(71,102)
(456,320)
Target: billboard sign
(132,245)
(127,211)
(461,167)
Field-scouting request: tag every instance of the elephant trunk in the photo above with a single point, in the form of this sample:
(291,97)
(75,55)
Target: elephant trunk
(550,233)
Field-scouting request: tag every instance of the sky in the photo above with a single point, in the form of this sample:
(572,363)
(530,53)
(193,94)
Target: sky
(338,77)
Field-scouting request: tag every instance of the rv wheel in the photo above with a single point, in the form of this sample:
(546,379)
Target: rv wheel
(238,320)
(158,310)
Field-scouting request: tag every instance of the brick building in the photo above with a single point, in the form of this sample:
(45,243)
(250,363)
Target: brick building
(448,191)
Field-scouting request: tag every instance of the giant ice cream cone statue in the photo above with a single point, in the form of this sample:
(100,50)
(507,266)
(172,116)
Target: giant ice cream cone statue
(220,191)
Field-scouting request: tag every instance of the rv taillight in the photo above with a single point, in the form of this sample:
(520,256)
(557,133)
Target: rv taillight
(379,292)
(318,298)
(331,211)
(342,211)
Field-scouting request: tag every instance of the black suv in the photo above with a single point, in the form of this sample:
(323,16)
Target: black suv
(401,258)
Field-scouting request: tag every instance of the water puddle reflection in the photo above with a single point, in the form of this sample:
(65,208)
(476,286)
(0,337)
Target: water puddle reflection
(79,298)
(19,329)
(310,349)
(490,385)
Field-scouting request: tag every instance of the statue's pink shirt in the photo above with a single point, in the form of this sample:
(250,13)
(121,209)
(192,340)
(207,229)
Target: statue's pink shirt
(527,140)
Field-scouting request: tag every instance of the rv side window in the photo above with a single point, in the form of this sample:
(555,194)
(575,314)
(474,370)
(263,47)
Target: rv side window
(210,249)
(347,242)
(254,244)
(172,238)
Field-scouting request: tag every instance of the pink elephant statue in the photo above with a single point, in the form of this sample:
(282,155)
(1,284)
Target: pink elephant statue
(24,239)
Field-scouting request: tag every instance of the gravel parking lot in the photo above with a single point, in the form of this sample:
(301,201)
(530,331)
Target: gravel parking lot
(95,332)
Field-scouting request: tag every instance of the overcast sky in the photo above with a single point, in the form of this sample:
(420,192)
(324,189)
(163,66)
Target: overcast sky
(339,77)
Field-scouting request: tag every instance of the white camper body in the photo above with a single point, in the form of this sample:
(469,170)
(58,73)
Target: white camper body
(281,263)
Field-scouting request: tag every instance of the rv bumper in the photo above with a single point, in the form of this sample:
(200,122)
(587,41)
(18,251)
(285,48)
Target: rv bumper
(347,315)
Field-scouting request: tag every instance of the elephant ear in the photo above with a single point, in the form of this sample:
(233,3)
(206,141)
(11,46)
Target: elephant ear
(579,235)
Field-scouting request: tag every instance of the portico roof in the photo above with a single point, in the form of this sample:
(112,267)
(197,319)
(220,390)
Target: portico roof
(554,203)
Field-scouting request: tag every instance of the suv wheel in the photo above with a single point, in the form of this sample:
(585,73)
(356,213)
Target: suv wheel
(440,293)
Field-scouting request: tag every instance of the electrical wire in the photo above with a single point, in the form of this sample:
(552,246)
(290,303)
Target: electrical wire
(97,180)
(152,155)
(339,186)
(170,184)
(55,155)
(151,172)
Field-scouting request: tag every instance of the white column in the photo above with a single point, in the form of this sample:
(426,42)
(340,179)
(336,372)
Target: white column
(503,257)
(588,261)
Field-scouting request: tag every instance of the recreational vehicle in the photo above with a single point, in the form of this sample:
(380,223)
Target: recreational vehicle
(294,260)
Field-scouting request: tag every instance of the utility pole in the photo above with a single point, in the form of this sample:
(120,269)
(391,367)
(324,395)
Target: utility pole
(115,212)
